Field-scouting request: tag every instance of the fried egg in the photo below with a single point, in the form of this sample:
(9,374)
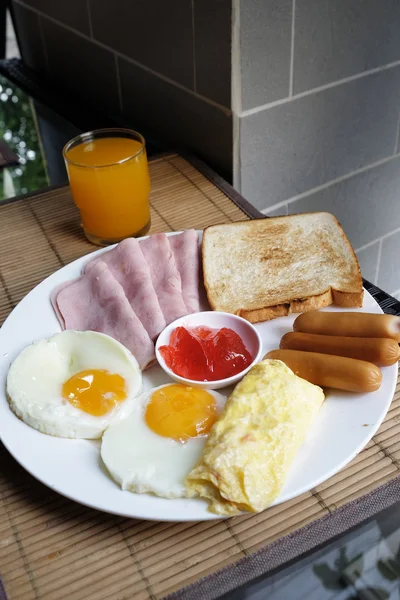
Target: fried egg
(154,447)
(72,384)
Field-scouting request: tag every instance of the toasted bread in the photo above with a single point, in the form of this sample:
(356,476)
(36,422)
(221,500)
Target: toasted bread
(271,267)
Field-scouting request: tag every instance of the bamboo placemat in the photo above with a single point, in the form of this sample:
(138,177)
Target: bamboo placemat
(52,548)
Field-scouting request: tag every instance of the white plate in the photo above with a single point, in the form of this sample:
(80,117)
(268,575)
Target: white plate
(345,424)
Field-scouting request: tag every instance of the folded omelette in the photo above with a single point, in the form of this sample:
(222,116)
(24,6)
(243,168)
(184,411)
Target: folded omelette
(250,448)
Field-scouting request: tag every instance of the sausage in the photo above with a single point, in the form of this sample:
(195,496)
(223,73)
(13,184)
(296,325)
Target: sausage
(351,324)
(326,370)
(380,351)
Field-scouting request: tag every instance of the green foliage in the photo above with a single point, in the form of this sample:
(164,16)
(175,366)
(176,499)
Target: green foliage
(332,579)
(374,592)
(18,130)
(389,569)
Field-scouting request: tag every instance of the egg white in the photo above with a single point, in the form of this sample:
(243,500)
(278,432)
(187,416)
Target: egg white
(142,461)
(35,379)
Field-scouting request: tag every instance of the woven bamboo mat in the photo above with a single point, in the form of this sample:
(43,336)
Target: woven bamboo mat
(52,548)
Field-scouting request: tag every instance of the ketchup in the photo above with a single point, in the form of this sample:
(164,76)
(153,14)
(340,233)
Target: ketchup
(205,354)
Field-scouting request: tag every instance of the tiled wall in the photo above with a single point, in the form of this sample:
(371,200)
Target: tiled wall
(317,108)
(165,64)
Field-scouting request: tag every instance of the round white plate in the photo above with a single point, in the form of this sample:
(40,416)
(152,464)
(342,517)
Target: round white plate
(345,424)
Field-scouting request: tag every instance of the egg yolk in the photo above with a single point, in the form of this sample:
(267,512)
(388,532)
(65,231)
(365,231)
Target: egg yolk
(94,391)
(180,412)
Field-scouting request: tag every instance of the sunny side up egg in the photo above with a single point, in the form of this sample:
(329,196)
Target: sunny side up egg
(154,447)
(73,384)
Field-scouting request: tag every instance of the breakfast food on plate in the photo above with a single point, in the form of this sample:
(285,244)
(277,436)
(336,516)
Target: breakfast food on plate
(327,370)
(153,447)
(127,264)
(96,301)
(185,247)
(380,351)
(72,384)
(205,354)
(134,290)
(251,447)
(351,324)
(268,268)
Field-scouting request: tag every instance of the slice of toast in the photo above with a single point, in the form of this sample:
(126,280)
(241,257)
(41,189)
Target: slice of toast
(271,267)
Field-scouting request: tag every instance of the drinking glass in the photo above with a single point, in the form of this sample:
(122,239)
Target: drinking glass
(110,183)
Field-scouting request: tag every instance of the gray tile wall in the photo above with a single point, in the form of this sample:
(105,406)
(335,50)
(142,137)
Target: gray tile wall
(318,112)
(212,49)
(339,38)
(389,271)
(174,60)
(154,33)
(301,144)
(265,34)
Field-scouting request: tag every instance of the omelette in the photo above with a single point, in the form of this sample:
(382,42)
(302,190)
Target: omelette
(250,448)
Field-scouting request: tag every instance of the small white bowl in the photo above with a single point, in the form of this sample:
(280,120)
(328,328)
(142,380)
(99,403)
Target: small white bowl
(214,320)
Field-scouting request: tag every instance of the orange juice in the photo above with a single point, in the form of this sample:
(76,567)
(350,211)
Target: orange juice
(110,184)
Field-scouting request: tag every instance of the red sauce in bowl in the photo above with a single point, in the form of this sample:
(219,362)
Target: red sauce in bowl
(205,354)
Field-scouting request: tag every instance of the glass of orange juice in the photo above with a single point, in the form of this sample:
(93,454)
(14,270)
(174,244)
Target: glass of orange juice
(110,183)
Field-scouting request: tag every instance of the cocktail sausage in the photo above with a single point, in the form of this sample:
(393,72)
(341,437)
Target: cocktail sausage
(380,351)
(326,370)
(351,324)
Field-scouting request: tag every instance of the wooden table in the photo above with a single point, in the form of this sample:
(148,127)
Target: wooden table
(52,548)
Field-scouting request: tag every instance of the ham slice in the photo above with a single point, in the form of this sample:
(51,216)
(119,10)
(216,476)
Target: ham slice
(165,276)
(185,247)
(97,302)
(129,267)
(53,300)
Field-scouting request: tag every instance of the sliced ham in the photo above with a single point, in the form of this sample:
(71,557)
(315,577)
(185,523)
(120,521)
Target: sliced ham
(165,276)
(53,300)
(130,268)
(185,247)
(97,302)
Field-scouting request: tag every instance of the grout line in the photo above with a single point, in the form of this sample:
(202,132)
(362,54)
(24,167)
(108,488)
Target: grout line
(46,57)
(378,262)
(265,211)
(316,90)
(224,109)
(292,50)
(397,142)
(89,18)
(237,169)
(380,239)
(121,105)
(194,50)
(236,93)
(365,246)
(236,67)
(283,204)
(332,182)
